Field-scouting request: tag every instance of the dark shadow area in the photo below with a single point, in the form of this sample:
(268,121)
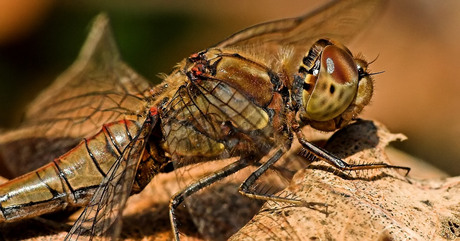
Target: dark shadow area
(154,221)
(220,210)
(31,228)
(356,137)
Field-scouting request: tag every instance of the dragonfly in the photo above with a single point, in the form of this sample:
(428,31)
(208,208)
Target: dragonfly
(106,132)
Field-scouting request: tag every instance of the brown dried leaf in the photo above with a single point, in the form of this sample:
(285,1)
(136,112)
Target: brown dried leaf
(364,205)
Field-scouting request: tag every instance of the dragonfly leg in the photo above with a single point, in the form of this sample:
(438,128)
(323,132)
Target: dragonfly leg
(179,197)
(342,165)
(246,191)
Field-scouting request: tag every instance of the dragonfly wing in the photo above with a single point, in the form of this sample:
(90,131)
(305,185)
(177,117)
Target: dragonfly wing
(338,20)
(102,216)
(208,119)
(98,88)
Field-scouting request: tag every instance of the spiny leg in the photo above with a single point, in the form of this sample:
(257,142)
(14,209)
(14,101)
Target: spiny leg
(244,188)
(179,197)
(342,165)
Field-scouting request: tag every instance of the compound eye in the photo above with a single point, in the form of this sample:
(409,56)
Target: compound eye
(339,65)
(335,87)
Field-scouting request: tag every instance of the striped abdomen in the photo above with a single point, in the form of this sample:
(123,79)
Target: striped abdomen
(69,180)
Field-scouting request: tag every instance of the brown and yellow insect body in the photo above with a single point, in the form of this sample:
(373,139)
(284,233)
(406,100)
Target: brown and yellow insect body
(246,97)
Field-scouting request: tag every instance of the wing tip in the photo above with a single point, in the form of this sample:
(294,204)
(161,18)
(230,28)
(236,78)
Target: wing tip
(100,39)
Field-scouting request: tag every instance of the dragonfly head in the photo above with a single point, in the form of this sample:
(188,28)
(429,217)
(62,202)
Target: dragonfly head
(332,86)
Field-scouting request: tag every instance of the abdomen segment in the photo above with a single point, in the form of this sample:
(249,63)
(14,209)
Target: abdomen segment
(69,180)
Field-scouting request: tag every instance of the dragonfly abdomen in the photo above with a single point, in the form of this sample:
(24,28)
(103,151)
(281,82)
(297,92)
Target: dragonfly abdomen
(69,180)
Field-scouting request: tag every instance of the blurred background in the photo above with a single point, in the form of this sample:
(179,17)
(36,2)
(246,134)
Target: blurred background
(416,43)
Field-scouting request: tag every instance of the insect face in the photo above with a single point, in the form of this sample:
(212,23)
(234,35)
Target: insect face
(332,88)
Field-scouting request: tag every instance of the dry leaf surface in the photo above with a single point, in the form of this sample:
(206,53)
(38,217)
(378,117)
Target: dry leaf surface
(363,205)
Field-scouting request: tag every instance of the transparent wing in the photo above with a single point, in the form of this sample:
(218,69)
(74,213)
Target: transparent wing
(199,115)
(102,216)
(339,20)
(98,88)
(209,119)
